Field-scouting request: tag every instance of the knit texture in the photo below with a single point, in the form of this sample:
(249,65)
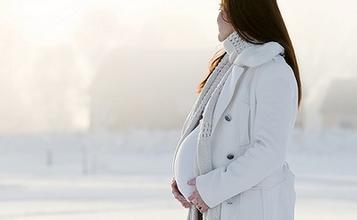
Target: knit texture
(204,107)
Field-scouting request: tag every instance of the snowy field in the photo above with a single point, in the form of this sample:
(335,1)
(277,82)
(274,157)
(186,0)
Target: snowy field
(127,176)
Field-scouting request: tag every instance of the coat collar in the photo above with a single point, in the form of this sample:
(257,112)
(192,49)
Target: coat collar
(244,53)
(242,57)
(234,45)
(259,54)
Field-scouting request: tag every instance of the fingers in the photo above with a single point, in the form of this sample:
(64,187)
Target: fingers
(178,196)
(202,209)
(182,200)
(174,188)
(201,206)
(192,196)
(192,182)
(186,204)
(173,183)
(196,199)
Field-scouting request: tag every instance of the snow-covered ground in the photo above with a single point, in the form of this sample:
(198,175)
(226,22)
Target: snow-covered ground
(127,176)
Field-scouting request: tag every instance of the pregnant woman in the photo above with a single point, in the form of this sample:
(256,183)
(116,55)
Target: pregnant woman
(230,160)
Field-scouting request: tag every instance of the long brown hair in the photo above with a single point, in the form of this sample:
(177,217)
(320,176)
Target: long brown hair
(257,22)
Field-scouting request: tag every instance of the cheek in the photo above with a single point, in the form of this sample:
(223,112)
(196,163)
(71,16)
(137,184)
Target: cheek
(224,27)
(220,21)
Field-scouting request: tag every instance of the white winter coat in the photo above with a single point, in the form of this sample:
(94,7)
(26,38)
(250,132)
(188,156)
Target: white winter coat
(251,179)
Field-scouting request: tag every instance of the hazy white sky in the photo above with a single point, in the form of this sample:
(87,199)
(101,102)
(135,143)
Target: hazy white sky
(45,31)
(51,22)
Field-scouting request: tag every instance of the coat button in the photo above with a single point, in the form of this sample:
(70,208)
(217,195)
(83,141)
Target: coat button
(230,156)
(229,202)
(227,117)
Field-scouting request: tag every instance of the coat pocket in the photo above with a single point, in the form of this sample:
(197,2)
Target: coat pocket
(277,196)
(278,199)
(230,208)
(251,205)
(262,203)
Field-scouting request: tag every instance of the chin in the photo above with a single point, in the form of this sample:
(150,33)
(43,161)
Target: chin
(219,37)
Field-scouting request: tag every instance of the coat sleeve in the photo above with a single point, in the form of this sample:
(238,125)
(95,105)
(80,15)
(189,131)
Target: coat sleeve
(275,108)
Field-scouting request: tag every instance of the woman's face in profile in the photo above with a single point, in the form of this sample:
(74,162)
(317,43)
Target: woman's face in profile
(224,27)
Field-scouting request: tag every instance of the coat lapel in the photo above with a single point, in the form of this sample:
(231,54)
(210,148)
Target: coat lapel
(226,93)
(249,57)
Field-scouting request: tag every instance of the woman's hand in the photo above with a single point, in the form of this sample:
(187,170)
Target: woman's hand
(195,197)
(178,195)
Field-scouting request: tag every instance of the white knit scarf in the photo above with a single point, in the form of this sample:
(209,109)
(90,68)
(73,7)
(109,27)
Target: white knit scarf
(204,106)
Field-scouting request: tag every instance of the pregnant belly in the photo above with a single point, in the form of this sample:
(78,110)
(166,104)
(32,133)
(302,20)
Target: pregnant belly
(185,163)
